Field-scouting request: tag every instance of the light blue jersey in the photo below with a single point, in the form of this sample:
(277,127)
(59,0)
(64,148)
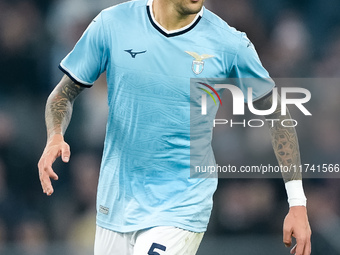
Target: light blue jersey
(145,175)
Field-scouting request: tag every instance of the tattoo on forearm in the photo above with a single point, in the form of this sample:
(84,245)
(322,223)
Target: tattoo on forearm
(59,107)
(286,148)
(284,140)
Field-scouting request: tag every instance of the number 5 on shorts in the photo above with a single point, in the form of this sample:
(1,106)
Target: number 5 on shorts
(156,246)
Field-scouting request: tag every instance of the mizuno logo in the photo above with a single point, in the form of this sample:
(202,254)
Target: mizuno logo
(134,54)
(198,63)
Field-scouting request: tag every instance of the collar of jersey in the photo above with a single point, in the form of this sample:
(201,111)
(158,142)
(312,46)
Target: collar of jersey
(171,33)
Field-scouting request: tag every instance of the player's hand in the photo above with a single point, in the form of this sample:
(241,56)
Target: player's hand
(55,147)
(296,224)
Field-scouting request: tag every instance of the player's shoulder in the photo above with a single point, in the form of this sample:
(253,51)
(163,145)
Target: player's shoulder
(222,29)
(123,11)
(218,24)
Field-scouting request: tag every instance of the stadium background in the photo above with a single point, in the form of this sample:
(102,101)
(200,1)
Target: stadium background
(293,39)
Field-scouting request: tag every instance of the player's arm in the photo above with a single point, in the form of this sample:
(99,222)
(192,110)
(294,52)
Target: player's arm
(284,139)
(58,114)
(286,148)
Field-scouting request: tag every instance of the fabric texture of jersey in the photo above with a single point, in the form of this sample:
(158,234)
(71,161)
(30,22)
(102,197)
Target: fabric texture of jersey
(145,177)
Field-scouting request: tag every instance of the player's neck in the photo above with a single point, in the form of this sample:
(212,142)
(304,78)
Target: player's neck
(168,17)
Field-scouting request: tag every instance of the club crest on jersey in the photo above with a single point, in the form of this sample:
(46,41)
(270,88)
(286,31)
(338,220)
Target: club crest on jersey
(198,63)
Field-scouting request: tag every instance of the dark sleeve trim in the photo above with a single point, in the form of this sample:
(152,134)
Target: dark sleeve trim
(73,79)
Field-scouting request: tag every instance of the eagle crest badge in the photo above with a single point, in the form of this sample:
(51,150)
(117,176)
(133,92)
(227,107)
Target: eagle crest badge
(198,63)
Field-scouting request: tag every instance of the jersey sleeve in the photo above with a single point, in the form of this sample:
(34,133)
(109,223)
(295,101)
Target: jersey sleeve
(248,71)
(87,60)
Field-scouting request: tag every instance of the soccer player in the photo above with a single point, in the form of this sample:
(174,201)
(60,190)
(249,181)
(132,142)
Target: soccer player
(146,202)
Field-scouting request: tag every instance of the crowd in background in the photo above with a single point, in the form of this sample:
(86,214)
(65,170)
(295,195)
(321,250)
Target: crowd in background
(293,39)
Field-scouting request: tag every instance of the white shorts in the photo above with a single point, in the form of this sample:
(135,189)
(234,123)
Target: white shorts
(154,241)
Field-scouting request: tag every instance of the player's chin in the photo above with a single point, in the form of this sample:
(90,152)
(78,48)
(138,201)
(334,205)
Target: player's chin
(193,9)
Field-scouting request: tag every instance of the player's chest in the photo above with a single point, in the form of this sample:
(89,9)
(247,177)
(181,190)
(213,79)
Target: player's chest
(182,57)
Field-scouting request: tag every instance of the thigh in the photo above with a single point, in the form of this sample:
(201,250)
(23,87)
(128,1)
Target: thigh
(108,242)
(167,241)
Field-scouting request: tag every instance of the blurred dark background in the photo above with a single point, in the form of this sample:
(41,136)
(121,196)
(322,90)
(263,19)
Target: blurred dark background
(293,39)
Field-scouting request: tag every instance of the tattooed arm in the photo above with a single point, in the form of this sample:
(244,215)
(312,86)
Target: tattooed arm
(57,116)
(59,106)
(286,148)
(284,139)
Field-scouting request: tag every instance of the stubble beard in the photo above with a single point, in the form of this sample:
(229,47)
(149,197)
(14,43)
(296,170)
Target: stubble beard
(191,8)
